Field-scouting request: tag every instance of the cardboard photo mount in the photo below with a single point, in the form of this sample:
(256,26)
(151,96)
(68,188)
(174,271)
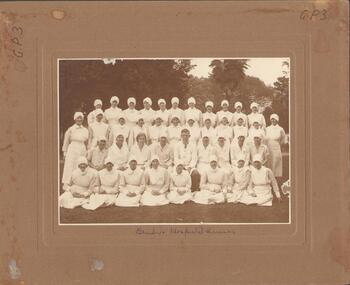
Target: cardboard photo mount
(313,248)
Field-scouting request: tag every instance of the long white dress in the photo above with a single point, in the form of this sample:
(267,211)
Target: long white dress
(195,134)
(97,130)
(74,146)
(108,188)
(131,117)
(135,131)
(239,131)
(116,130)
(131,187)
(80,187)
(155,132)
(194,114)
(112,115)
(91,117)
(148,116)
(180,187)
(225,131)
(260,183)
(186,155)
(212,187)
(236,150)
(262,150)
(236,116)
(212,116)
(223,155)
(275,136)
(210,133)
(178,113)
(203,154)
(174,135)
(226,114)
(142,155)
(256,117)
(253,131)
(164,114)
(239,182)
(119,156)
(165,154)
(156,180)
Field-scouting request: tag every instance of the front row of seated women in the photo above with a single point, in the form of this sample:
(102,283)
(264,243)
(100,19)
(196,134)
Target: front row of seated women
(156,186)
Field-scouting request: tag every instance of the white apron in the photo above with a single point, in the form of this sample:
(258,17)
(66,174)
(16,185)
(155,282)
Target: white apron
(123,200)
(75,150)
(262,188)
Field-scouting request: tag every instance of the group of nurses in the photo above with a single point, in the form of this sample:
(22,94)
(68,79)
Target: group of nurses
(173,153)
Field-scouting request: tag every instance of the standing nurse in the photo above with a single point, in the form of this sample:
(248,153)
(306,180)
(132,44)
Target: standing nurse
(74,146)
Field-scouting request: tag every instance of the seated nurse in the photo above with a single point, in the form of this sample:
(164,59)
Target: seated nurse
(212,185)
(157,184)
(131,185)
(81,186)
(180,186)
(262,182)
(107,187)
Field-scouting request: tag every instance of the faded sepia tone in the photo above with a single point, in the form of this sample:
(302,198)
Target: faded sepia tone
(314,248)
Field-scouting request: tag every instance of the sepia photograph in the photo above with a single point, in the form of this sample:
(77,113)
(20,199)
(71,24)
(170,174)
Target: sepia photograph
(174,141)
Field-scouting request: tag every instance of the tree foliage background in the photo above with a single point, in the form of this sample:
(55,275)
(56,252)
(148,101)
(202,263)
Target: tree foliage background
(83,81)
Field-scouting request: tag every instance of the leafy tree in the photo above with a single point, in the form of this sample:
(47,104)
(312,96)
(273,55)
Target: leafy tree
(228,73)
(280,103)
(82,81)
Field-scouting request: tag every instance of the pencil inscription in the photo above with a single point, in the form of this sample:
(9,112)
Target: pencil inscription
(314,14)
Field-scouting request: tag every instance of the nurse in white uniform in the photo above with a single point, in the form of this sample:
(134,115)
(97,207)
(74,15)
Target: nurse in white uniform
(193,112)
(97,129)
(237,186)
(275,137)
(195,131)
(141,151)
(180,186)
(131,185)
(208,131)
(112,114)
(239,129)
(92,115)
(204,150)
(147,112)
(119,153)
(107,185)
(239,114)
(163,112)
(120,128)
(239,148)
(222,152)
(165,152)
(157,185)
(174,131)
(209,113)
(262,182)
(81,185)
(176,111)
(131,114)
(259,148)
(254,129)
(156,130)
(74,146)
(224,112)
(224,130)
(139,128)
(256,116)
(212,186)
